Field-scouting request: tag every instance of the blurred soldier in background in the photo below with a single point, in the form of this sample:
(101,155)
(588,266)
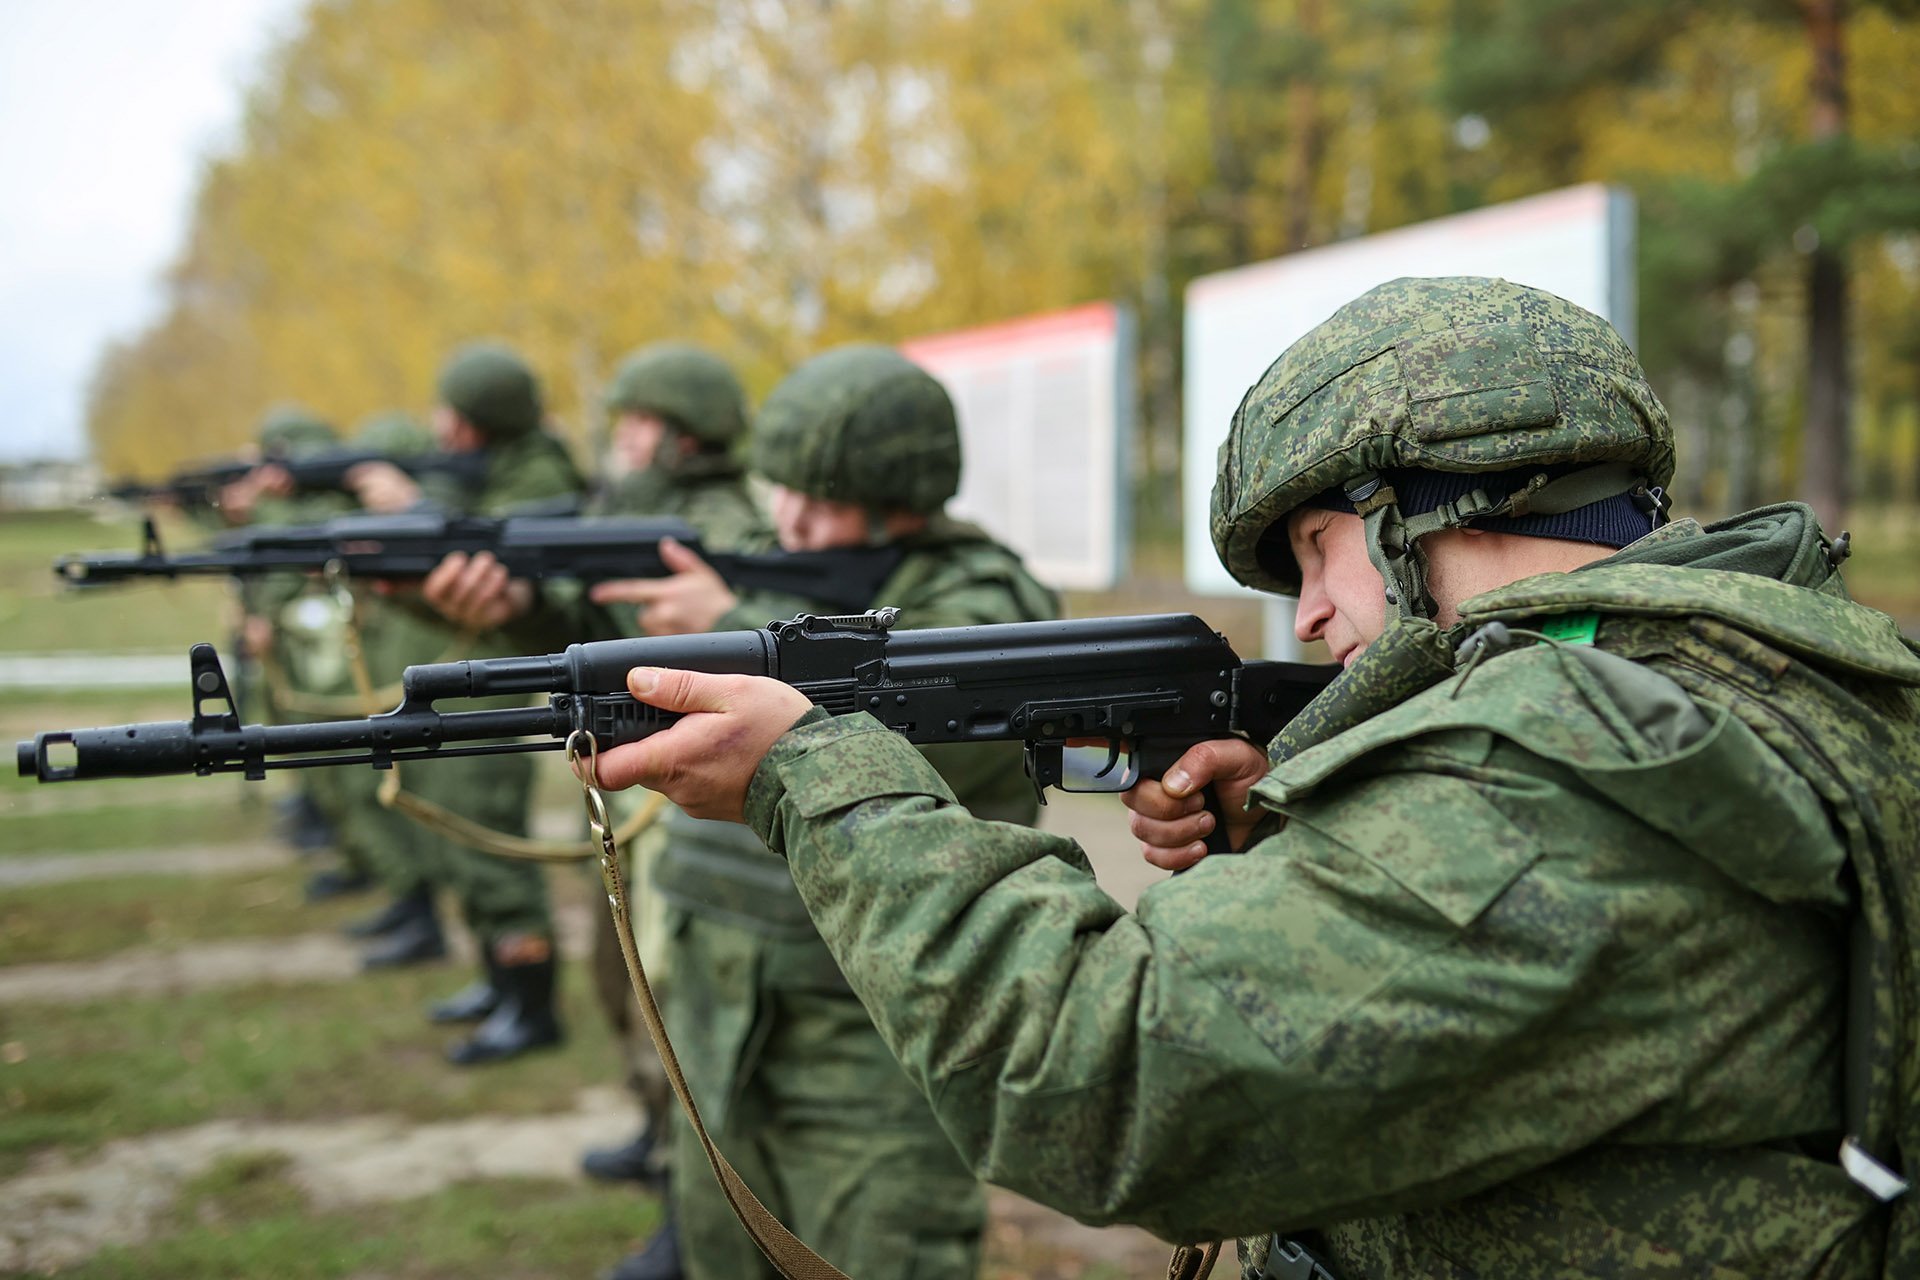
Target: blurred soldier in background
(408,859)
(293,630)
(795,1084)
(677,414)
(1536,961)
(489,402)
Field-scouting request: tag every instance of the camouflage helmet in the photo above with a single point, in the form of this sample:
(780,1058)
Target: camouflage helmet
(691,388)
(395,434)
(290,430)
(1452,374)
(861,424)
(490,386)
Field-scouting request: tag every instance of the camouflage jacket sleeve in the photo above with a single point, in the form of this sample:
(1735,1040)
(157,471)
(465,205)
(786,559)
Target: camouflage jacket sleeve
(1452,966)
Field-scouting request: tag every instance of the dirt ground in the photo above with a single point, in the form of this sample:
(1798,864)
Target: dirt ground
(62,1210)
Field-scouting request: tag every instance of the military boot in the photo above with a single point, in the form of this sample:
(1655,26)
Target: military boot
(523,1020)
(303,825)
(473,1002)
(325,885)
(417,941)
(633,1162)
(657,1259)
(401,911)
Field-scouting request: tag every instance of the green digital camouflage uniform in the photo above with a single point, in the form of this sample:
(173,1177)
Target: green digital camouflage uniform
(791,1078)
(499,897)
(405,856)
(697,395)
(1538,965)
(308,658)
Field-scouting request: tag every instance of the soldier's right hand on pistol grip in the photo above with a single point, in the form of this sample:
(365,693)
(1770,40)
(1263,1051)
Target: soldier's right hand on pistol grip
(1169,815)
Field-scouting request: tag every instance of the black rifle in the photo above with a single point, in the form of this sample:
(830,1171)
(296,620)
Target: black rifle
(1153,685)
(539,547)
(321,472)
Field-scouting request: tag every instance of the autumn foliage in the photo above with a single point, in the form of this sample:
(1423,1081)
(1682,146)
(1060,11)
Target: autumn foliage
(582,176)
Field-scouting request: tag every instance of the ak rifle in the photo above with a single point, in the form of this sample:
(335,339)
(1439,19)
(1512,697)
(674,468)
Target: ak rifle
(321,472)
(409,545)
(1151,686)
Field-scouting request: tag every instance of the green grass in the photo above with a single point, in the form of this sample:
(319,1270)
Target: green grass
(92,1072)
(37,615)
(82,919)
(245,1217)
(213,816)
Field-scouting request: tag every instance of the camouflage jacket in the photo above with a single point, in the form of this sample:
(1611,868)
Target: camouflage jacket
(1540,969)
(953,575)
(708,492)
(528,469)
(525,469)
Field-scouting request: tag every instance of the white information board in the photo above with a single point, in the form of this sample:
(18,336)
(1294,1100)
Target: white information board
(1577,242)
(1046,407)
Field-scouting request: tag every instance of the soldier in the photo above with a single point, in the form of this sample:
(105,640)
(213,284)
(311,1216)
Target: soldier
(489,402)
(409,860)
(677,413)
(293,629)
(862,447)
(1534,960)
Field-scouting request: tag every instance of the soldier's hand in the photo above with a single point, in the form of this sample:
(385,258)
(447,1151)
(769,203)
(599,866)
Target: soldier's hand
(271,480)
(476,593)
(690,600)
(256,633)
(1170,818)
(235,501)
(705,762)
(382,487)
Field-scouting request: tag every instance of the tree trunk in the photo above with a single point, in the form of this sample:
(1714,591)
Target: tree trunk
(1303,135)
(1826,445)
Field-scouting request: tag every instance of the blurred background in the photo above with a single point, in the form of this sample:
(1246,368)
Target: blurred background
(216,207)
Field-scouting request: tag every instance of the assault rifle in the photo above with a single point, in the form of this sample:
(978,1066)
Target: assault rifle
(409,545)
(321,472)
(1152,685)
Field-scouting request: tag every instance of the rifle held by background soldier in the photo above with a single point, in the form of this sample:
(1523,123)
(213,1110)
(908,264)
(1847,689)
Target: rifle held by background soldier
(324,471)
(409,545)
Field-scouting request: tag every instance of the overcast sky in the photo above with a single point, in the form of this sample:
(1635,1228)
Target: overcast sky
(106,108)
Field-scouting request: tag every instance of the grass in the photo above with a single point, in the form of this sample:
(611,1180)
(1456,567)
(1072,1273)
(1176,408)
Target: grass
(37,615)
(245,1217)
(83,919)
(76,1076)
(214,816)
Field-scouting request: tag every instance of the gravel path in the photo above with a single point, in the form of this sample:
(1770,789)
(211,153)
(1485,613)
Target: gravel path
(62,1212)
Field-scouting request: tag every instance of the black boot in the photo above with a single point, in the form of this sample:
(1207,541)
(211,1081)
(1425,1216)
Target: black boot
(658,1258)
(523,1020)
(415,942)
(471,1003)
(323,885)
(302,824)
(402,910)
(632,1163)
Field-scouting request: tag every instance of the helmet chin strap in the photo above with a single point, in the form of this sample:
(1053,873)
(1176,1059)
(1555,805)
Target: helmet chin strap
(1393,540)
(1396,556)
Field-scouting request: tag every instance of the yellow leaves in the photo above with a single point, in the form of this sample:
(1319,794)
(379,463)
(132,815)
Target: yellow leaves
(582,176)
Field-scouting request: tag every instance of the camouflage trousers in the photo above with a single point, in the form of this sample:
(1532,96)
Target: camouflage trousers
(386,845)
(499,897)
(805,1100)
